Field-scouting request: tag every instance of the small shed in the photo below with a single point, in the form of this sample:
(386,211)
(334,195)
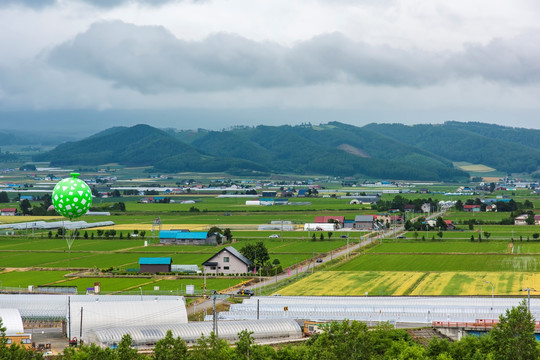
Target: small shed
(155,265)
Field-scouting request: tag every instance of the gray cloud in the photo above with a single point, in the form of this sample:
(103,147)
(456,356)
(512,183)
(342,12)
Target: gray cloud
(38,4)
(114,3)
(150,59)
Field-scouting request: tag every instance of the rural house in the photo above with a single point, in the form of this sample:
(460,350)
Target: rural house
(227,261)
(472,208)
(364,222)
(8,212)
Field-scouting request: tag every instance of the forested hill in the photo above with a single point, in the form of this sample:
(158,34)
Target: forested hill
(507,149)
(422,152)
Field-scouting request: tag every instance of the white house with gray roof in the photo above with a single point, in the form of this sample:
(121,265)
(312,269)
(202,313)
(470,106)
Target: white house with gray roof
(227,261)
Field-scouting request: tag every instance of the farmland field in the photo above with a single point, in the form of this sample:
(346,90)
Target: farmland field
(452,265)
(341,283)
(447,262)
(379,283)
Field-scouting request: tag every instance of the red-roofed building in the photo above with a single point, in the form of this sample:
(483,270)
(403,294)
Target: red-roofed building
(324,219)
(472,208)
(8,212)
(449,225)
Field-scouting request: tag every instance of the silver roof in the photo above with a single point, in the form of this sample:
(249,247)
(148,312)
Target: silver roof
(228,330)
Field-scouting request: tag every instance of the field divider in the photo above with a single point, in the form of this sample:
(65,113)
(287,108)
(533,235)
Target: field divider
(416,283)
(136,286)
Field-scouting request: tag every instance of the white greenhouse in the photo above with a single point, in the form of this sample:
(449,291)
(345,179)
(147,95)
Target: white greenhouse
(55,307)
(104,315)
(374,309)
(12,321)
(146,336)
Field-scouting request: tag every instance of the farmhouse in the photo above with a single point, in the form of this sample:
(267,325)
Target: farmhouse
(389,219)
(179,237)
(227,261)
(472,208)
(155,265)
(521,219)
(8,212)
(364,222)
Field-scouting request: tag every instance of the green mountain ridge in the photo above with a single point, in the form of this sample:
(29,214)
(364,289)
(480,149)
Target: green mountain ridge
(386,151)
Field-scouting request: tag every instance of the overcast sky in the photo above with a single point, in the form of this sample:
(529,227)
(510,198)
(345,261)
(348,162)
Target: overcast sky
(213,64)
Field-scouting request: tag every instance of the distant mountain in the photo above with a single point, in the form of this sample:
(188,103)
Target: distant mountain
(511,150)
(140,145)
(17,137)
(388,151)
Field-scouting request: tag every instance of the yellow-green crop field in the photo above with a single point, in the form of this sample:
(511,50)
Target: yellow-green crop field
(400,283)
(356,283)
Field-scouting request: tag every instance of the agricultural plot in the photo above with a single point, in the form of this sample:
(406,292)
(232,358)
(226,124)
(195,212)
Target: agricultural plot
(436,262)
(340,283)
(476,283)
(441,247)
(384,283)
(25,278)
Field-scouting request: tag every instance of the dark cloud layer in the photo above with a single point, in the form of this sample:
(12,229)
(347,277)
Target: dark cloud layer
(150,59)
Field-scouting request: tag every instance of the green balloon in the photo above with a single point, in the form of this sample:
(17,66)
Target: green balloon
(72,197)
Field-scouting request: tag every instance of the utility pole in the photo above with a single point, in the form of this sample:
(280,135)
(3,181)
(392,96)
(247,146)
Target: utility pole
(528,290)
(214,317)
(80,327)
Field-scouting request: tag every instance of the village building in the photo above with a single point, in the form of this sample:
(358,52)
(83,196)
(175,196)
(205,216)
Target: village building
(227,261)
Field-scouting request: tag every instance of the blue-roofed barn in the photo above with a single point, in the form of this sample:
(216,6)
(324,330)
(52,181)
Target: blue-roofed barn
(178,237)
(155,265)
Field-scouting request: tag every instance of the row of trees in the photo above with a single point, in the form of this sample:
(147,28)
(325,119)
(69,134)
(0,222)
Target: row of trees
(502,206)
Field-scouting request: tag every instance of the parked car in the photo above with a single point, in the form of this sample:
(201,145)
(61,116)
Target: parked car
(274,236)
(247,292)
(401,237)
(319,260)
